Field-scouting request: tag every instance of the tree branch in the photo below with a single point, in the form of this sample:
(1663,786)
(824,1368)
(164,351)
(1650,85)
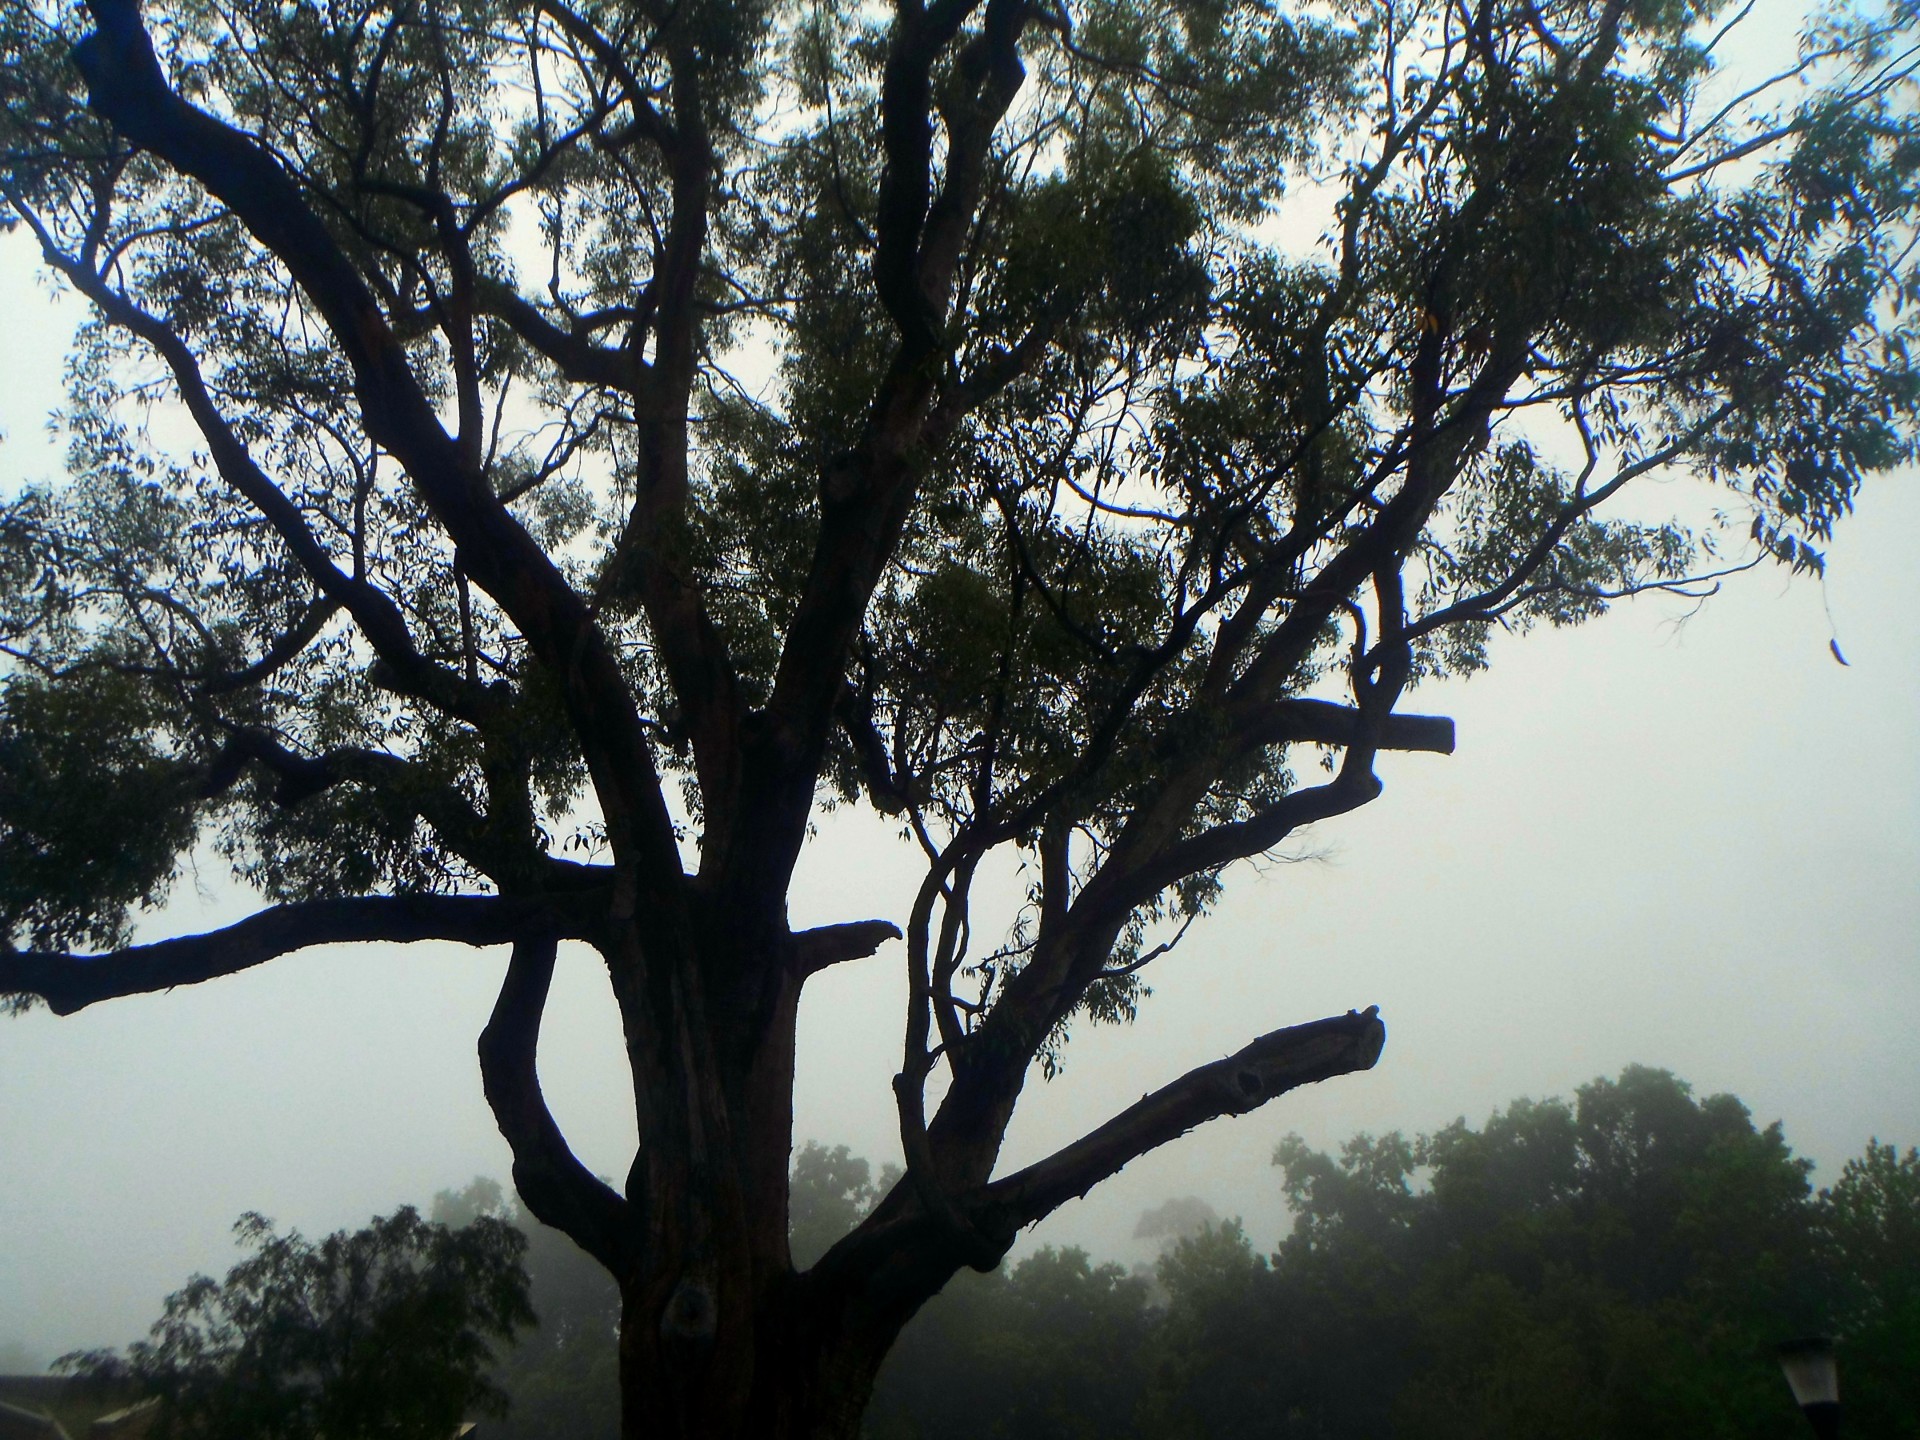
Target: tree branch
(72,982)
(373,611)
(504,854)
(280,653)
(573,353)
(816,949)
(651,556)
(1321,722)
(126,86)
(1272,1065)
(558,1189)
(865,495)
(1353,787)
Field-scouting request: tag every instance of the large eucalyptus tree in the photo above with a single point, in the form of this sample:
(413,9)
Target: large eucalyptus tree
(529,455)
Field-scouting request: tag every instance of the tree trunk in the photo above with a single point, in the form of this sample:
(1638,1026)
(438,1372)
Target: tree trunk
(719,1337)
(768,1374)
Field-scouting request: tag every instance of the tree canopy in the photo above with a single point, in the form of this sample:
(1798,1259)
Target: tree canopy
(380,1332)
(527,457)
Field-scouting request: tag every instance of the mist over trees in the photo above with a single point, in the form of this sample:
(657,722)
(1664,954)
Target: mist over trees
(386,1331)
(563,1375)
(1621,1265)
(1617,1266)
(527,458)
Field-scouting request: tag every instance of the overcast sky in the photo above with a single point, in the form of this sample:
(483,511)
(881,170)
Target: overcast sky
(1681,839)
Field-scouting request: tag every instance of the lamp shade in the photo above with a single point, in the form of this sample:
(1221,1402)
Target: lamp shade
(1811,1371)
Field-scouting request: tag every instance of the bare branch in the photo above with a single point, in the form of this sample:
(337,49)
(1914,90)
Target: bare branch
(816,949)
(72,982)
(1117,889)
(1321,722)
(571,350)
(281,653)
(1272,1065)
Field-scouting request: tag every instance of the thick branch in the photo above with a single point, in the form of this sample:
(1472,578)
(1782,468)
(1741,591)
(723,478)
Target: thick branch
(504,854)
(574,354)
(906,179)
(885,791)
(1272,1065)
(1046,990)
(986,76)
(1321,722)
(651,556)
(72,982)
(826,945)
(1113,891)
(280,653)
(866,494)
(558,1189)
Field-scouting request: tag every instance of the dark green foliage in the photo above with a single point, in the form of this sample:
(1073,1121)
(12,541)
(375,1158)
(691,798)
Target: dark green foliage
(1618,1266)
(1870,1223)
(93,813)
(1163,393)
(1055,1346)
(384,1332)
(561,1377)
(1622,1266)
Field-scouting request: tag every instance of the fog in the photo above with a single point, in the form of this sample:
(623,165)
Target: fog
(1689,844)
(1680,836)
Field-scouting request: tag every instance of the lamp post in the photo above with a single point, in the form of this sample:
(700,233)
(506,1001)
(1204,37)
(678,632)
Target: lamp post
(1816,1383)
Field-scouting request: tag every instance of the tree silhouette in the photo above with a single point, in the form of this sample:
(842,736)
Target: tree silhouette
(528,456)
(385,1331)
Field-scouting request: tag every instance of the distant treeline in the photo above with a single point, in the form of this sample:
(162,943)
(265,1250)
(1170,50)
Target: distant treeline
(1619,1266)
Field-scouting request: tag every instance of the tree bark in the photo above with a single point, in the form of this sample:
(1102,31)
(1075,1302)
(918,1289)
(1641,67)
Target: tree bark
(780,1375)
(719,1337)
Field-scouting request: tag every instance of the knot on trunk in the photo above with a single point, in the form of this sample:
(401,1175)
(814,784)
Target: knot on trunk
(691,1313)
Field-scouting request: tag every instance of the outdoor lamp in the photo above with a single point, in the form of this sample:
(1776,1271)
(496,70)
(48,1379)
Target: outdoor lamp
(1816,1383)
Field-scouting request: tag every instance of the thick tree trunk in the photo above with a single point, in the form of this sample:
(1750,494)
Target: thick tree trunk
(719,1338)
(772,1374)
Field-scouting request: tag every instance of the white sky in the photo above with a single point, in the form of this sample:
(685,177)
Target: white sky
(1692,845)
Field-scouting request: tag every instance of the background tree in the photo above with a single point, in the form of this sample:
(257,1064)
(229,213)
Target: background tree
(562,1375)
(1619,1266)
(1056,1345)
(384,1332)
(1622,1265)
(1870,1220)
(832,1191)
(432,551)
